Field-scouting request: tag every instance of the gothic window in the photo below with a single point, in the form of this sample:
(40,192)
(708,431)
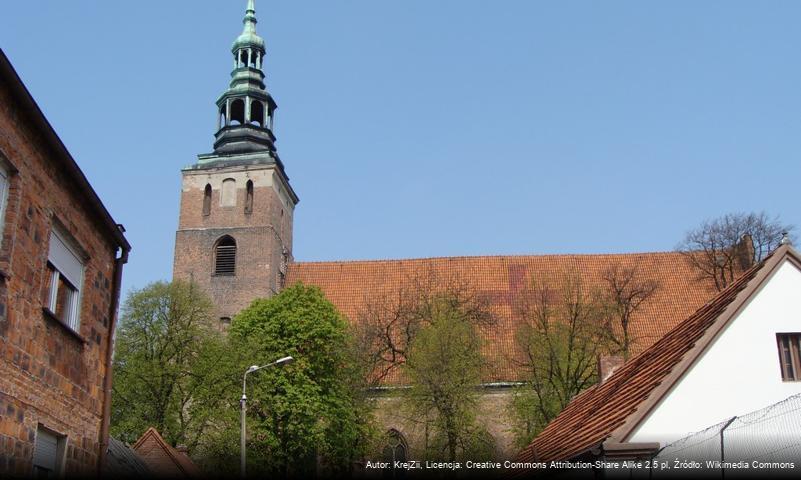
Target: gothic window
(395,449)
(257,112)
(225,256)
(207,200)
(237,112)
(249,197)
(228,193)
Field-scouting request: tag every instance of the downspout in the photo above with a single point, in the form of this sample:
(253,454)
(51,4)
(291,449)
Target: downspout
(115,301)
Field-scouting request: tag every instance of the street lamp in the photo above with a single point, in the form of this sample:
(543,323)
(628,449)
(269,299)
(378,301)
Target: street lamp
(243,400)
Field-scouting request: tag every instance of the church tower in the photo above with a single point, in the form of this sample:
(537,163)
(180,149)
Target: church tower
(234,235)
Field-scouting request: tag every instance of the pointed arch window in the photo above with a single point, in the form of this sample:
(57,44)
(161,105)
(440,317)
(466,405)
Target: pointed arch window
(225,256)
(207,200)
(249,197)
(395,450)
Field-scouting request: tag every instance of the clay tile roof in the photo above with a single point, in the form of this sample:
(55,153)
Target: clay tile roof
(615,407)
(503,280)
(163,459)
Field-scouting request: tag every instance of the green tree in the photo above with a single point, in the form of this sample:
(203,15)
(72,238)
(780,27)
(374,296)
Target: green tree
(169,366)
(564,332)
(444,364)
(309,408)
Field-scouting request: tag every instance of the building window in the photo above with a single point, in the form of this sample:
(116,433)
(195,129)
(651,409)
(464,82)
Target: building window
(3,198)
(228,194)
(207,200)
(48,454)
(249,197)
(394,451)
(790,355)
(65,278)
(225,257)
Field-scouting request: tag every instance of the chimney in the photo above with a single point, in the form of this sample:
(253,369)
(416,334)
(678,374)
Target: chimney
(183,449)
(744,251)
(607,364)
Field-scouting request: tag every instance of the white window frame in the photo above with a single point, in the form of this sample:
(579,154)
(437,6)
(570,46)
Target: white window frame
(67,262)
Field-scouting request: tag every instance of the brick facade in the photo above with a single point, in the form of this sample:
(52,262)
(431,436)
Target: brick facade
(263,235)
(50,376)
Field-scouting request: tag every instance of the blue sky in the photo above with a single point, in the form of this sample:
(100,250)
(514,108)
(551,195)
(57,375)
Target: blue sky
(422,128)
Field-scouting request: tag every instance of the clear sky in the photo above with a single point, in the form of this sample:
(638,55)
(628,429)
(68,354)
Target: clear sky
(424,128)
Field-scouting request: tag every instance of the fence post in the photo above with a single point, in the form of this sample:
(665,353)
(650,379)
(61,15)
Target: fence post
(723,447)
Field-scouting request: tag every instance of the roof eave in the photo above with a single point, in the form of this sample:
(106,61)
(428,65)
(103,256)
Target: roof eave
(28,105)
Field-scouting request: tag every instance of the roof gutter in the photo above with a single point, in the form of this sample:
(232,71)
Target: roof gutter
(105,422)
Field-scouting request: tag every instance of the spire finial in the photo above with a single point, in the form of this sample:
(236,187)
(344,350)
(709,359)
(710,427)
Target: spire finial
(250,17)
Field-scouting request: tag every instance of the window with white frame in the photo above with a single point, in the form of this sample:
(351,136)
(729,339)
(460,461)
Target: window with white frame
(48,454)
(65,278)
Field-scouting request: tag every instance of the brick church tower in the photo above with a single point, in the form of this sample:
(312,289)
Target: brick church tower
(234,235)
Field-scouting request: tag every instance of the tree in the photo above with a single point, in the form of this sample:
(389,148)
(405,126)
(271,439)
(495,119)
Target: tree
(625,293)
(387,325)
(168,365)
(562,334)
(444,363)
(310,407)
(722,248)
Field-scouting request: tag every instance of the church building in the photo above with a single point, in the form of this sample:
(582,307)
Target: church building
(234,240)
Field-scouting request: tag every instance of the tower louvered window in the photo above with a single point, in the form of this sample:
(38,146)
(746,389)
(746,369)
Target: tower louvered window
(225,257)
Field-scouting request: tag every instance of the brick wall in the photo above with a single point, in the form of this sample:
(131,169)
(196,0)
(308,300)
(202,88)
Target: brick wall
(260,235)
(49,376)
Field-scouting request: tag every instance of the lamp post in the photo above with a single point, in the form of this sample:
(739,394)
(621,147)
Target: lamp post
(243,401)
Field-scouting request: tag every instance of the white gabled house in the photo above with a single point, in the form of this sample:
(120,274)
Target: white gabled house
(739,353)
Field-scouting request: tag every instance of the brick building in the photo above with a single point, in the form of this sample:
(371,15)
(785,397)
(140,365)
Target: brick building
(235,240)
(61,260)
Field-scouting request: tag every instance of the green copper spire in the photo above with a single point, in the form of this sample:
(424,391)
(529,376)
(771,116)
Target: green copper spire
(249,37)
(246,109)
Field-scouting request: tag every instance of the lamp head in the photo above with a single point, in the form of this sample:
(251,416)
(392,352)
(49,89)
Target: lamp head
(284,360)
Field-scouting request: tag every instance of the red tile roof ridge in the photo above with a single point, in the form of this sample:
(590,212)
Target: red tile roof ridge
(479,257)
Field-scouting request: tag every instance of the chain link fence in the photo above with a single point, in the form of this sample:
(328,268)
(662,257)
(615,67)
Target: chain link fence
(765,442)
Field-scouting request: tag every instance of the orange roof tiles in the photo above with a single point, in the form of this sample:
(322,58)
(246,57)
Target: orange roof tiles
(613,408)
(503,280)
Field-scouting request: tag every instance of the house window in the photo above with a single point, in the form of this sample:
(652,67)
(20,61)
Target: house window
(225,257)
(3,198)
(65,278)
(790,355)
(48,454)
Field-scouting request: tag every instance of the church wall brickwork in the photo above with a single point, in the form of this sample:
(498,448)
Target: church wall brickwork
(493,414)
(262,236)
(50,376)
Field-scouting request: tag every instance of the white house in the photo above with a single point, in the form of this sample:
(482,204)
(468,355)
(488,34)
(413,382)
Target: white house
(739,353)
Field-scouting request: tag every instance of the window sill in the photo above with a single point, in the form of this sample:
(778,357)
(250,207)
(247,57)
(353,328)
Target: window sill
(52,317)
